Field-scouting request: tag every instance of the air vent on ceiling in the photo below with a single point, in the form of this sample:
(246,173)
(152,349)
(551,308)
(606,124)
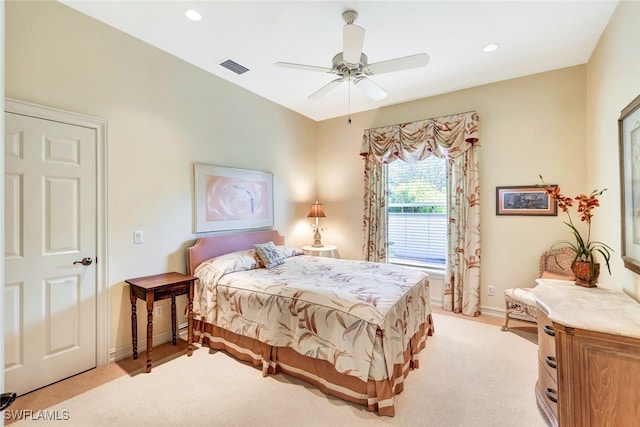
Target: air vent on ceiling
(234,66)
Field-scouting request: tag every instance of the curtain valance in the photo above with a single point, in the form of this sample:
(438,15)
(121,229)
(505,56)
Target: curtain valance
(446,137)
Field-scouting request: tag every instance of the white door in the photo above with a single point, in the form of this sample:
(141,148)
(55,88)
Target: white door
(50,224)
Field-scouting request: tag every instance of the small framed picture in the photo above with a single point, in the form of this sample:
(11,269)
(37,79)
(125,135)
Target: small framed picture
(525,200)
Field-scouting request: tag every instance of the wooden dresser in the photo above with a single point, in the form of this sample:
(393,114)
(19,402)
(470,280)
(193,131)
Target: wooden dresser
(588,355)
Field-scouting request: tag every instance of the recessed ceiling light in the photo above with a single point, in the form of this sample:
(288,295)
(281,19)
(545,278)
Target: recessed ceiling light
(193,14)
(490,47)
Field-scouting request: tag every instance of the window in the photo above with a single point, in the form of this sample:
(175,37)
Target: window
(417,212)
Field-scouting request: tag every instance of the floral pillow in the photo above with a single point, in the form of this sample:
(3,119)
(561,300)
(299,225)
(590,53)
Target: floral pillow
(269,254)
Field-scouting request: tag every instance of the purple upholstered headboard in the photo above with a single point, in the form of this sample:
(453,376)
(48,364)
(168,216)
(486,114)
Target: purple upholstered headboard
(208,247)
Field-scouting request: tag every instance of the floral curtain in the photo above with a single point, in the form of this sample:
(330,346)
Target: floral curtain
(455,139)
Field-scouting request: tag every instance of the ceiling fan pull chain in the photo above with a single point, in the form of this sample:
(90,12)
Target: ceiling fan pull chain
(349,102)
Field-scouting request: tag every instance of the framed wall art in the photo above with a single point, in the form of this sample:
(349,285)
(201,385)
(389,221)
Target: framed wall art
(524,200)
(629,147)
(232,199)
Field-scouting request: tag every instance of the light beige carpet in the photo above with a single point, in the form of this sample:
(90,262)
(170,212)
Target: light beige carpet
(471,374)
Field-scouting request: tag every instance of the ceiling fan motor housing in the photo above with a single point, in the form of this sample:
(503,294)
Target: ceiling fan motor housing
(341,67)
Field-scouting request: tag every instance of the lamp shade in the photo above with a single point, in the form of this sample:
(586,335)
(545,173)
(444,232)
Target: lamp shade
(316,211)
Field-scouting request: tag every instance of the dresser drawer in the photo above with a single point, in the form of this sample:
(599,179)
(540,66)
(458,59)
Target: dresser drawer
(548,389)
(546,345)
(549,364)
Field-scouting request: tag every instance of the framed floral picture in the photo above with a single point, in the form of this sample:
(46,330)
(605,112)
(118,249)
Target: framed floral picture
(524,200)
(629,146)
(232,199)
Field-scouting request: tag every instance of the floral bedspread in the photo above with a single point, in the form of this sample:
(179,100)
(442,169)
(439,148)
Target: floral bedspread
(357,315)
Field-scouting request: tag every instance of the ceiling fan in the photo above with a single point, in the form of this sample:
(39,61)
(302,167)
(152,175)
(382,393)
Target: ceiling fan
(351,64)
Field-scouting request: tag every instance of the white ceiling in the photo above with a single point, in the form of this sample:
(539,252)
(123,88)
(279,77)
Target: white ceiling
(534,36)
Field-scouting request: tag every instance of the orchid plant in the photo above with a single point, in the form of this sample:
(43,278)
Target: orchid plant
(584,248)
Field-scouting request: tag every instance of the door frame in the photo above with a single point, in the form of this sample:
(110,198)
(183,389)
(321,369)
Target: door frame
(100,126)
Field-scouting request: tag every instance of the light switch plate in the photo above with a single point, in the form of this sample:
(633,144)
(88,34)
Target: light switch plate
(137,237)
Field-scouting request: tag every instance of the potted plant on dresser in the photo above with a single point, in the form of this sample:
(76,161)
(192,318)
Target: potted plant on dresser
(585,266)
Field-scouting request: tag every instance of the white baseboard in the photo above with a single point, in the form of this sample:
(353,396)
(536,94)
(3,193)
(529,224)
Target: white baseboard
(116,354)
(492,311)
(499,312)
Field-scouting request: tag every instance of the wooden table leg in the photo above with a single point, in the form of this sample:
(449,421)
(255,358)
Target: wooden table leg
(134,322)
(174,338)
(150,297)
(190,321)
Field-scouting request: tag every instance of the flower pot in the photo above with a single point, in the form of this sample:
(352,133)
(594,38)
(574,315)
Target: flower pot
(582,271)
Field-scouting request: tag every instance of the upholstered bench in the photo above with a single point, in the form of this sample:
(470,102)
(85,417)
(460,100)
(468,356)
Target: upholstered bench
(554,264)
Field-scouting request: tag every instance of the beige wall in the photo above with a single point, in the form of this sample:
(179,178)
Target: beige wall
(613,80)
(528,126)
(163,114)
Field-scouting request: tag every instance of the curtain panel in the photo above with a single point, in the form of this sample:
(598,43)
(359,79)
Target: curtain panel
(455,139)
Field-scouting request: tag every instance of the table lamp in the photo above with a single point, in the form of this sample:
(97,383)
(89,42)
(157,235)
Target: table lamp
(316,212)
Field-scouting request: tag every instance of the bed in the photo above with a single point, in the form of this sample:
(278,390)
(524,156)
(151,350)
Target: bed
(351,328)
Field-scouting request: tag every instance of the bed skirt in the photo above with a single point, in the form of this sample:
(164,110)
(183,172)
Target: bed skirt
(377,396)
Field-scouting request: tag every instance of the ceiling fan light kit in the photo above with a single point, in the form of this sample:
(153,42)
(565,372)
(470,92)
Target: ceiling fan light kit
(351,64)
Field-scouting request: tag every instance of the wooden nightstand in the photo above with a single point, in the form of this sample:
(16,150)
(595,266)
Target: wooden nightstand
(328,251)
(155,288)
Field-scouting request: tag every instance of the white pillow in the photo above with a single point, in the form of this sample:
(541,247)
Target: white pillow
(213,269)
(289,251)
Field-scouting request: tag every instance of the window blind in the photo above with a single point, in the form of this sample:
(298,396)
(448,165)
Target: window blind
(417,216)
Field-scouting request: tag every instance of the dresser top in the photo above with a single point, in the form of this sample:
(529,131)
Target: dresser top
(595,309)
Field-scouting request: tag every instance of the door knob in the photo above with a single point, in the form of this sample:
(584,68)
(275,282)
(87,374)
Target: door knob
(85,261)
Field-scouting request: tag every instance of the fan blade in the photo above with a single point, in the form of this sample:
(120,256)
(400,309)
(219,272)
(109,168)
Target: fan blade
(305,67)
(374,91)
(352,42)
(326,88)
(397,64)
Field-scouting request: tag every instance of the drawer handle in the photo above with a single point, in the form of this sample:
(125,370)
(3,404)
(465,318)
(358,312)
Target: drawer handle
(551,361)
(552,395)
(549,330)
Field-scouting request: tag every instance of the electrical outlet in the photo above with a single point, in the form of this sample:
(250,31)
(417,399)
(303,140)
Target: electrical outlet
(159,311)
(490,290)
